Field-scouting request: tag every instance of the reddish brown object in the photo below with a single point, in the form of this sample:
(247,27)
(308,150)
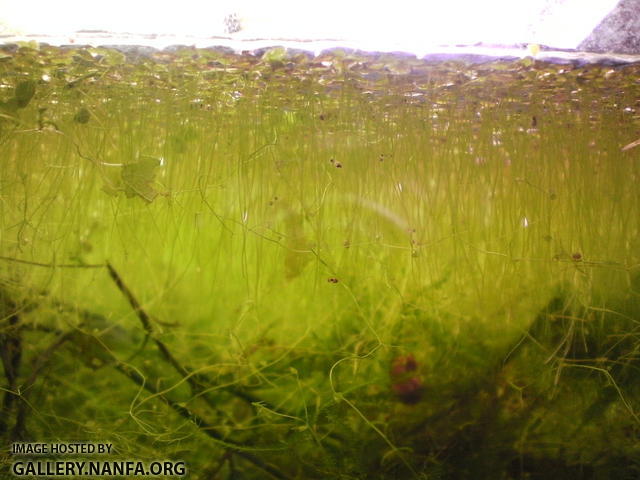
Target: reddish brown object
(409,391)
(403,364)
(405,382)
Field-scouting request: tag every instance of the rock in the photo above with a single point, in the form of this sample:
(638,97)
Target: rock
(619,32)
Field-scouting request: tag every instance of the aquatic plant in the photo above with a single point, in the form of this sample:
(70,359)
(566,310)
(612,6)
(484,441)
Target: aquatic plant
(342,266)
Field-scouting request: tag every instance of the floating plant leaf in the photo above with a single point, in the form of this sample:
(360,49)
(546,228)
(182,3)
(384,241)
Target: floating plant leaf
(137,178)
(82,116)
(24,93)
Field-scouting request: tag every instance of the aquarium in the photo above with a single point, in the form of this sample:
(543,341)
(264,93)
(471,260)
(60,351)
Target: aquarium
(350,265)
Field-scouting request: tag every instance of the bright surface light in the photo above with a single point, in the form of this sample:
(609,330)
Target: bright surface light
(402,24)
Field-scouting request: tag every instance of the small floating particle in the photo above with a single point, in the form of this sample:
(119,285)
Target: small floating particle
(332,280)
(577,256)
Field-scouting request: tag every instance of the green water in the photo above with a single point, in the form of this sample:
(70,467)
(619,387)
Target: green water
(349,266)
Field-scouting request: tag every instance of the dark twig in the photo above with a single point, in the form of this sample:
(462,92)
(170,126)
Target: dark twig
(196,381)
(142,315)
(145,319)
(202,424)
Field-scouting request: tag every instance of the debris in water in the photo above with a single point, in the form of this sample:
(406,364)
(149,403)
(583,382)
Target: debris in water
(631,145)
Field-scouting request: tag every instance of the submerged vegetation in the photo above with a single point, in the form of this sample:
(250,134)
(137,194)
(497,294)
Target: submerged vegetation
(346,266)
